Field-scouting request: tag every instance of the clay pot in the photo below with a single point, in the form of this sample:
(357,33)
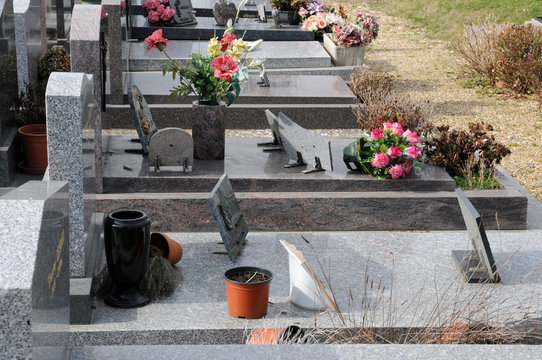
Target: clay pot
(172,250)
(248,300)
(34,139)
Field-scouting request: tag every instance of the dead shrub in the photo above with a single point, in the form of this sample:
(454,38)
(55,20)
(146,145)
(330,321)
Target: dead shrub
(478,49)
(378,98)
(519,58)
(462,152)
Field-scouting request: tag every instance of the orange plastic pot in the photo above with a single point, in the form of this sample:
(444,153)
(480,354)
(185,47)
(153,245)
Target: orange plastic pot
(250,300)
(172,250)
(453,334)
(34,138)
(272,336)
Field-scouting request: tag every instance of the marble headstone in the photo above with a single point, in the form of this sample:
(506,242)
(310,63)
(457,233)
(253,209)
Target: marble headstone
(27,41)
(304,146)
(142,116)
(184,12)
(231,224)
(171,147)
(477,265)
(69,100)
(34,263)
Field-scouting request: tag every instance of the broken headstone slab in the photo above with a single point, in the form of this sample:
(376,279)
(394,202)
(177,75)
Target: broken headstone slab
(184,12)
(231,225)
(171,149)
(142,116)
(223,11)
(304,146)
(478,265)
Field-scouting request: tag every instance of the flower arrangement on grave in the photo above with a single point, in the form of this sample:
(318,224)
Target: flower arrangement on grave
(388,150)
(323,22)
(158,12)
(361,32)
(312,7)
(212,77)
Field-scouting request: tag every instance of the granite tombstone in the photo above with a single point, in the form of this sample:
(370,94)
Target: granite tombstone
(184,12)
(478,265)
(231,224)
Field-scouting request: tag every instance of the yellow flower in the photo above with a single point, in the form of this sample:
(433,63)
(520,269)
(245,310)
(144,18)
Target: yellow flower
(238,48)
(214,47)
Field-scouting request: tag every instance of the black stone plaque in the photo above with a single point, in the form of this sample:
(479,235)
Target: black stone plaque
(142,116)
(231,225)
(478,265)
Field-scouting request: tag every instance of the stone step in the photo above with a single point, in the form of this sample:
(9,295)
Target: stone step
(278,54)
(411,267)
(329,351)
(206,28)
(272,197)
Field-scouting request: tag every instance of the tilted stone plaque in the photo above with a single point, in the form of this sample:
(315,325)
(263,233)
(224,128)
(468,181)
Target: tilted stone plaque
(171,148)
(262,16)
(142,116)
(478,265)
(273,125)
(231,225)
(304,146)
(184,12)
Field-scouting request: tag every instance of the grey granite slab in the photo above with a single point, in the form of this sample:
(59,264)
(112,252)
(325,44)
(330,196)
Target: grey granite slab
(27,41)
(114,48)
(315,91)
(277,54)
(8,156)
(345,352)
(206,29)
(68,97)
(406,269)
(34,263)
(249,168)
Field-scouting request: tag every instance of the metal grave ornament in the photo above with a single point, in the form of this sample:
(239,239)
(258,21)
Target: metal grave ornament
(171,149)
(304,147)
(142,116)
(273,125)
(231,225)
(184,12)
(223,11)
(478,265)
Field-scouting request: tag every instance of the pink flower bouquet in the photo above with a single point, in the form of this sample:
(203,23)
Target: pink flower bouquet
(158,12)
(361,32)
(388,151)
(322,22)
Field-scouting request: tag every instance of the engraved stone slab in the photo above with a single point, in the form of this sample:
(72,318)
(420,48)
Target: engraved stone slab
(173,147)
(233,228)
(142,116)
(184,12)
(477,265)
(296,139)
(223,11)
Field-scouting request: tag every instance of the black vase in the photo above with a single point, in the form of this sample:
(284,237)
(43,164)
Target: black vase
(127,236)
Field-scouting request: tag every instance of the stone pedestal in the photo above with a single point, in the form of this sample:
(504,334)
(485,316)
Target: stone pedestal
(209,130)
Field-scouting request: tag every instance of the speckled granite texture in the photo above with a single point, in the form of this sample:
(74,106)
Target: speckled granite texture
(34,263)
(67,97)
(113,10)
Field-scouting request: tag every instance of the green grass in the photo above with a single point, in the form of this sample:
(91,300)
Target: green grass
(488,182)
(446,18)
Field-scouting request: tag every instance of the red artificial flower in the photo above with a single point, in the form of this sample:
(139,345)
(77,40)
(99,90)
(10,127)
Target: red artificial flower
(226,40)
(156,41)
(224,67)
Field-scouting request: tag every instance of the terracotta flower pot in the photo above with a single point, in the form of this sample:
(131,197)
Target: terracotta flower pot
(34,138)
(248,299)
(172,250)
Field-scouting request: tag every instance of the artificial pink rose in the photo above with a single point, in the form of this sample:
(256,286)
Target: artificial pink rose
(160,9)
(165,2)
(407,167)
(224,67)
(167,14)
(335,28)
(387,126)
(377,134)
(321,23)
(380,160)
(150,4)
(395,151)
(156,41)
(302,11)
(153,16)
(411,136)
(104,14)
(397,171)
(413,152)
(397,128)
